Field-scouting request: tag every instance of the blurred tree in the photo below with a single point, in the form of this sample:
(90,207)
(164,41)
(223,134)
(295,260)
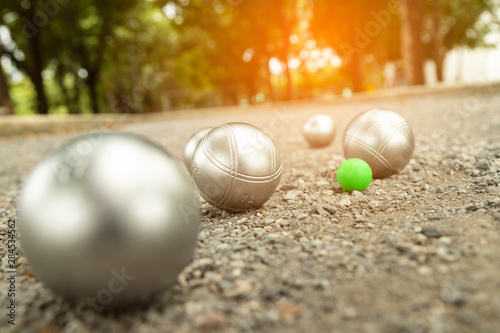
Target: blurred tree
(72,33)
(428,28)
(412,12)
(5,101)
(454,23)
(26,51)
(268,36)
(356,29)
(141,56)
(134,77)
(286,23)
(87,40)
(239,38)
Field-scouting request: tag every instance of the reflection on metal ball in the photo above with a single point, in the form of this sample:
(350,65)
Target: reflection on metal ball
(108,218)
(319,130)
(191,145)
(236,167)
(381,138)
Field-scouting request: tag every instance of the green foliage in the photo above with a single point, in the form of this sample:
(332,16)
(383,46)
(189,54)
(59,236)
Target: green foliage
(23,95)
(458,22)
(134,56)
(69,36)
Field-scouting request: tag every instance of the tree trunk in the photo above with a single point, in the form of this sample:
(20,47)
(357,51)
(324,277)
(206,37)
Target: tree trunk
(92,86)
(137,101)
(411,44)
(289,95)
(36,71)
(272,93)
(76,94)
(94,70)
(5,101)
(289,87)
(35,52)
(439,60)
(436,42)
(41,98)
(285,24)
(68,100)
(355,72)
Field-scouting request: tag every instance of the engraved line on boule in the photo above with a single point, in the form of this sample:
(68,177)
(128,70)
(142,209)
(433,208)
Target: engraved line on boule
(354,130)
(374,153)
(395,124)
(389,136)
(400,126)
(208,199)
(381,158)
(410,138)
(217,185)
(240,176)
(233,153)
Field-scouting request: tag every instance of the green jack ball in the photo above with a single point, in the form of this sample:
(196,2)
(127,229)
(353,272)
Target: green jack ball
(354,174)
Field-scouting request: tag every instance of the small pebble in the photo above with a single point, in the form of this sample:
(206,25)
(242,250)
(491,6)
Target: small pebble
(448,254)
(292,195)
(357,194)
(431,231)
(425,270)
(350,313)
(345,202)
(320,210)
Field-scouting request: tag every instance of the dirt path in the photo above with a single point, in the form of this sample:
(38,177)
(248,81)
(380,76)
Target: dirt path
(418,252)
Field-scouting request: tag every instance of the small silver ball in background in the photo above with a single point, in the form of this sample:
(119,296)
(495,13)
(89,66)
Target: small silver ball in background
(381,138)
(110,217)
(191,145)
(319,130)
(236,167)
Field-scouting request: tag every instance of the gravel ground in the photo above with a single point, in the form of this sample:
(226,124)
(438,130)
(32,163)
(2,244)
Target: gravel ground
(417,252)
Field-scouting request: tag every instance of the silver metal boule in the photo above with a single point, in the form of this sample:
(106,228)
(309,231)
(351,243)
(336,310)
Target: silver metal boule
(236,167)
(381,138)
(319,130)
(108,218)
(191,145)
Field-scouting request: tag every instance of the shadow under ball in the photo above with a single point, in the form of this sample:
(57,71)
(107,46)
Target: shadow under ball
(110,217)
(381,138)
(319,130)
(191,145)
(236,167)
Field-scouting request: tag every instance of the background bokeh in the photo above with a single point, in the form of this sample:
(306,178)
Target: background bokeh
(138,56)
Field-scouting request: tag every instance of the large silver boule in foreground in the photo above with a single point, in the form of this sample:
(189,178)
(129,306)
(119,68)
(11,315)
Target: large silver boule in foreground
(381,138)
(108,220)
(236,167)
(319,130)
(191,145)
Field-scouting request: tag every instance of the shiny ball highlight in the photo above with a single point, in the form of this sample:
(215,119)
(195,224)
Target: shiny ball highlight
(381,138)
